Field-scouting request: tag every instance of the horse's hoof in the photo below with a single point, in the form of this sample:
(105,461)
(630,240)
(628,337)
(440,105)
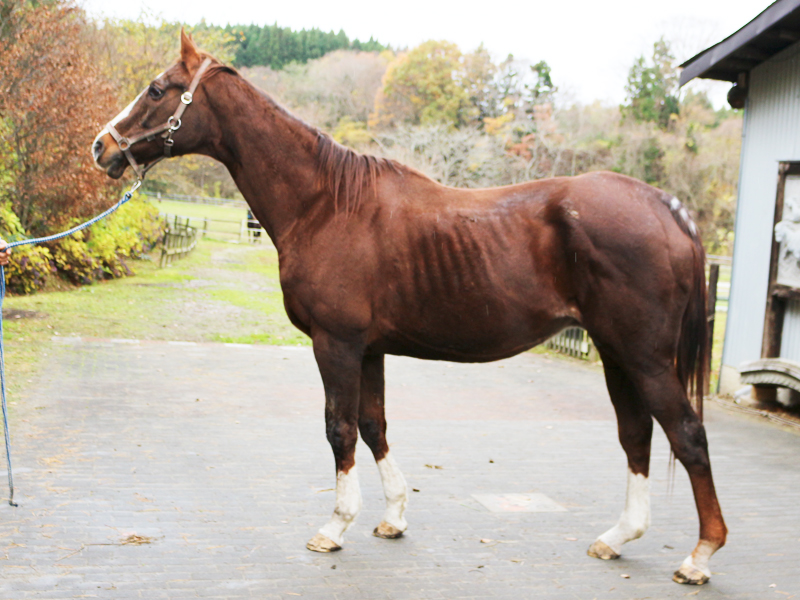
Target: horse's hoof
(689,574)
(386,531)
(320,543)
(601,550)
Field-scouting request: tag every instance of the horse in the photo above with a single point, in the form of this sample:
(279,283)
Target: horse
(376,258)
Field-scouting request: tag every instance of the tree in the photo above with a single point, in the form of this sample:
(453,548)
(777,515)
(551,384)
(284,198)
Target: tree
(652,88)
(479,82)
(276,47)
(424,86)
(51,95)
(541,91)
(133,52)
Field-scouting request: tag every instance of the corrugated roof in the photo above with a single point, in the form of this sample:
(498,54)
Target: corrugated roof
(775,29)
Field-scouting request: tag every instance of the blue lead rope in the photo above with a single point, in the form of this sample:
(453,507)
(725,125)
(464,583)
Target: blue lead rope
(40,240)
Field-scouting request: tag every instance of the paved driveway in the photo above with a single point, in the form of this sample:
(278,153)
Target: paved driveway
(168,470)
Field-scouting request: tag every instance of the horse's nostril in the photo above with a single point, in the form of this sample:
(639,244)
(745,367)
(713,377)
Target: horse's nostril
(97,149)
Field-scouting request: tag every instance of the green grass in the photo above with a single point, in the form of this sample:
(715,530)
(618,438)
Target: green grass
(219,293)
(224,221)
(199,211)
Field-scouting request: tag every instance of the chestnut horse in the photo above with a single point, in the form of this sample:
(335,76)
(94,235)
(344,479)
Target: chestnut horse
(376,259)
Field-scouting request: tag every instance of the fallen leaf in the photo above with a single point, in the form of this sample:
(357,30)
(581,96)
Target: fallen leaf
(136,540)
(414,490)
(625,576)
(434,467)
(486,541)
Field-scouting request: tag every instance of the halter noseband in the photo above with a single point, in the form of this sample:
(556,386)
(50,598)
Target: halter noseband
(166,130)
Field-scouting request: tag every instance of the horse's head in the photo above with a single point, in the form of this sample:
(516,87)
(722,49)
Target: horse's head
(170,117)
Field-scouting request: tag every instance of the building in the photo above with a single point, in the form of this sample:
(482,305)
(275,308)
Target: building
(762,61)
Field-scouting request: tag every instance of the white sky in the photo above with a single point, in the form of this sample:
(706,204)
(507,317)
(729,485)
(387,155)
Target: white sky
(590,45)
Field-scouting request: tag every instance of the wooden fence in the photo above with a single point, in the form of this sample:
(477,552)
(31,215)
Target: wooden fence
(236,230)
(179,239)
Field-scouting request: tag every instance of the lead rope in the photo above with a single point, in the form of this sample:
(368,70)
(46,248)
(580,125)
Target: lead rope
(41,240)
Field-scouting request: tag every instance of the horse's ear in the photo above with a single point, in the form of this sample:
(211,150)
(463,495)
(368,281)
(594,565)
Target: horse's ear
(190,55)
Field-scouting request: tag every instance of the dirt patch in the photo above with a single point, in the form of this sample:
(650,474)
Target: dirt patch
(12,313)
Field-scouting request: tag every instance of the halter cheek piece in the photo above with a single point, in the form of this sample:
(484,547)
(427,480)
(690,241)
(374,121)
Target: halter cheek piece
(166,130)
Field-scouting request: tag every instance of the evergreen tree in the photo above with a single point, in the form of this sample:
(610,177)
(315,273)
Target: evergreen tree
(652,88)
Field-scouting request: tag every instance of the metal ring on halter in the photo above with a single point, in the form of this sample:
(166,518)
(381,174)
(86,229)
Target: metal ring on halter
(123,144)
(186,98)
(177,124)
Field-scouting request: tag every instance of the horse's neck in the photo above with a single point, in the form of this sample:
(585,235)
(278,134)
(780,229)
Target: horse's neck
(270,154)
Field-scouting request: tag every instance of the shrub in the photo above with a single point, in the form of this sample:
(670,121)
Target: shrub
(99,252)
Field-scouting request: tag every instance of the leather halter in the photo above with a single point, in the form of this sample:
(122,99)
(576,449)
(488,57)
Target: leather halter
(166,130)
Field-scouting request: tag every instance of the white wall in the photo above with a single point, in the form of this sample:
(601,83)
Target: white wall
(771,134)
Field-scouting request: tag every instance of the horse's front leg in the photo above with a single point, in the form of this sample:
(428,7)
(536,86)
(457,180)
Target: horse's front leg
(372,423)
(340,367)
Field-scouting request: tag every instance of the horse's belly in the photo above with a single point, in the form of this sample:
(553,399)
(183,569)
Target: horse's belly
(471,329)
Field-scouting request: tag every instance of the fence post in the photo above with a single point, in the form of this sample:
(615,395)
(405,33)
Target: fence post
(711,312)
(205,226)
(243,230)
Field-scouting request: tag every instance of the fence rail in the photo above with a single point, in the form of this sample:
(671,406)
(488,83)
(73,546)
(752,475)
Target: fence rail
(179,239)
(240,230)
(573,341)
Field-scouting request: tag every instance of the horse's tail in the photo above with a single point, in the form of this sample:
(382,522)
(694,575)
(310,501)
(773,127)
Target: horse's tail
(693,343)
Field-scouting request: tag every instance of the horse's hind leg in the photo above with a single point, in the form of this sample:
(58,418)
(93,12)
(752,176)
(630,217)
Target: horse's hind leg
(340,367)
(667,401)
(372,424)
(635,431)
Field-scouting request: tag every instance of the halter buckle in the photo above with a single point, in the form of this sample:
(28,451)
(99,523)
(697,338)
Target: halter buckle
(123,144)
(177,124)
(186,98)
(169,141)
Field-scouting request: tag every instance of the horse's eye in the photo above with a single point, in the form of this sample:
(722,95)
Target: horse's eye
(154,92)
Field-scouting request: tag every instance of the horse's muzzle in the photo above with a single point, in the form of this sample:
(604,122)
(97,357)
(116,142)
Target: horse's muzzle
(107,156)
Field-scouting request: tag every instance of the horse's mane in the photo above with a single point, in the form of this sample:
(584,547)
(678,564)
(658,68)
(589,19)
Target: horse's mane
(348,173)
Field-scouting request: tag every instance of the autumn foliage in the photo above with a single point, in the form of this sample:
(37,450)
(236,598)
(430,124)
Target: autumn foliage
(52,99)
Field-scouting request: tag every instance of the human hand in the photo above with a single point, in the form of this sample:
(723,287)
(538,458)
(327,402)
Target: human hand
(5,253)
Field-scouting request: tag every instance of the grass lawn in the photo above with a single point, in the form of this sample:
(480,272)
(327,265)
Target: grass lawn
(219,293)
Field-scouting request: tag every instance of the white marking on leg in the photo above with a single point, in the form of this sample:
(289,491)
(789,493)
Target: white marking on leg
(395,491)
(348,505)
(699,558)
(635,518)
